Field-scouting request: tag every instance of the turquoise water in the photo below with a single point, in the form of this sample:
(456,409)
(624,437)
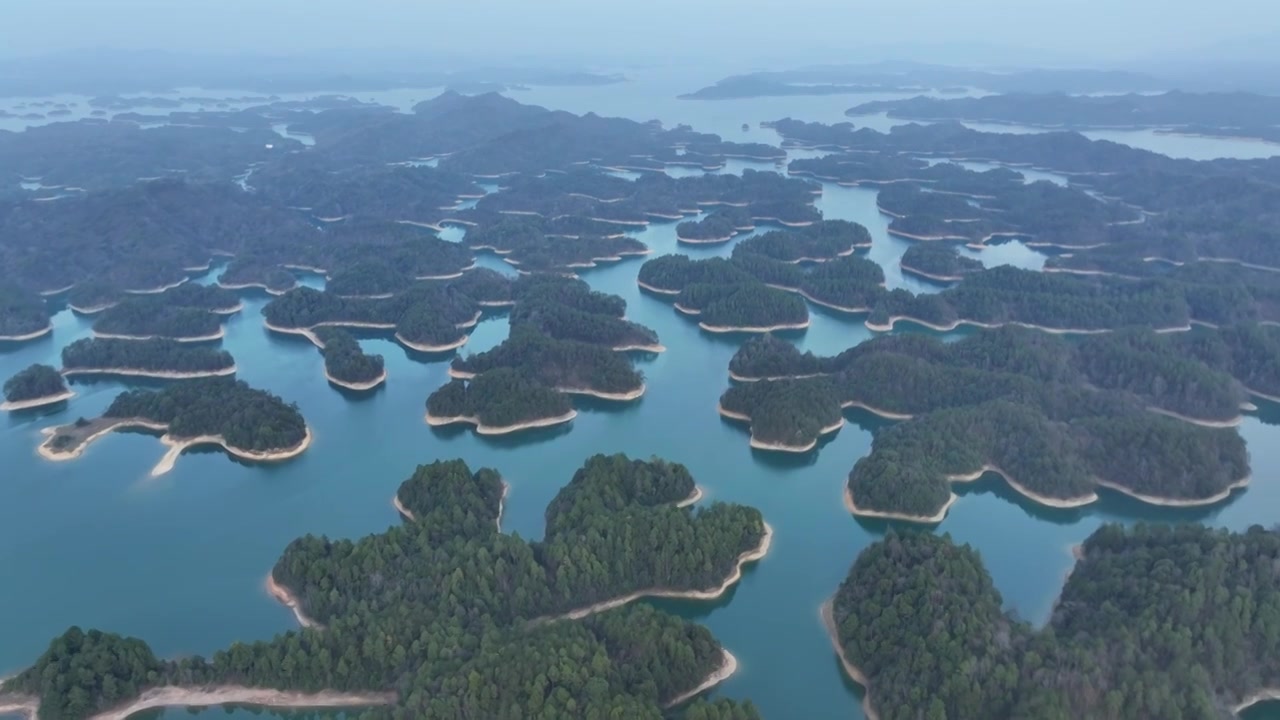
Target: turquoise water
(180,560)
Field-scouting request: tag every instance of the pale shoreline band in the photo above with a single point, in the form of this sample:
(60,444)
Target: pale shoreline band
(750,556)
(14,405)
(176,446)
(482,429)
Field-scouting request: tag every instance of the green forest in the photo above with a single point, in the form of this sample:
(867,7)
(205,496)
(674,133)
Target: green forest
(1053,414)
(453,623)
(246,418)
(557,363)
(343,358)
(21,312)
(35,381)
(1155,622)
(155,355)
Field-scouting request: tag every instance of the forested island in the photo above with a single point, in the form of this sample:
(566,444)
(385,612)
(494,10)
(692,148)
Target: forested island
(35,386)
(760,288)
(569,366)
(633,661)
(157,358)
(1141,413)
(187,313)
(938,263)
(345,364)
(249,424)
(1238,112)
(565,339)
(1154,622)
(425,317)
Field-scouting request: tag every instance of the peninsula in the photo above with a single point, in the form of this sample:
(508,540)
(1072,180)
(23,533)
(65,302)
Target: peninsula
(249,424)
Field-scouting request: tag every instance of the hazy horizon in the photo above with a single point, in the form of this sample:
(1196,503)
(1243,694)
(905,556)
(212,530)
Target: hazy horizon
(1083,33)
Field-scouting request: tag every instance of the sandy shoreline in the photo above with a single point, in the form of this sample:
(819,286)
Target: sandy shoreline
(772,378)
(29,336)
(886,414)
(286,597)
(482,429)
(255,285)
(357,386)
(754,329)
(1176,503)
(14,405)
(93,309)
(694,497)
(159,289)
(728,666)
(61,455)
(405,512)
(614,396)
(652,289)
(639,348)
(163,374)
(433,348)
(749,556)
(929,276)
(178,446)
(221,333)
(933,519)
(827,614)
(172,697)
(1057,503)
(833,306)
(704,241)
(26,707)
(1233,422)
(1262,695)
(778,447)
(989,326)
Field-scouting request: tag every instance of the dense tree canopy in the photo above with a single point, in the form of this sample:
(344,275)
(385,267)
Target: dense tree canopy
(246,418)
(1154,622)
(36,381)
(156,355)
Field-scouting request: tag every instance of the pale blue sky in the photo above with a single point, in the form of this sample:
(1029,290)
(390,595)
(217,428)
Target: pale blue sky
(1078,31)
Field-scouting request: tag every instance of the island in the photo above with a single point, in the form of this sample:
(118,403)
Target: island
(1123,640)
(574,602)
(753,292)
(499,402)
(938,263)
(716,227)
(562,245)
(569,366)
(567,309)
(36,386)
(1138,412)
(425,317)
(154,358)
(187,313)
(345,364)
(252,425)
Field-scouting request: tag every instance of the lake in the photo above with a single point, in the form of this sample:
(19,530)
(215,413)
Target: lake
(180,560)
